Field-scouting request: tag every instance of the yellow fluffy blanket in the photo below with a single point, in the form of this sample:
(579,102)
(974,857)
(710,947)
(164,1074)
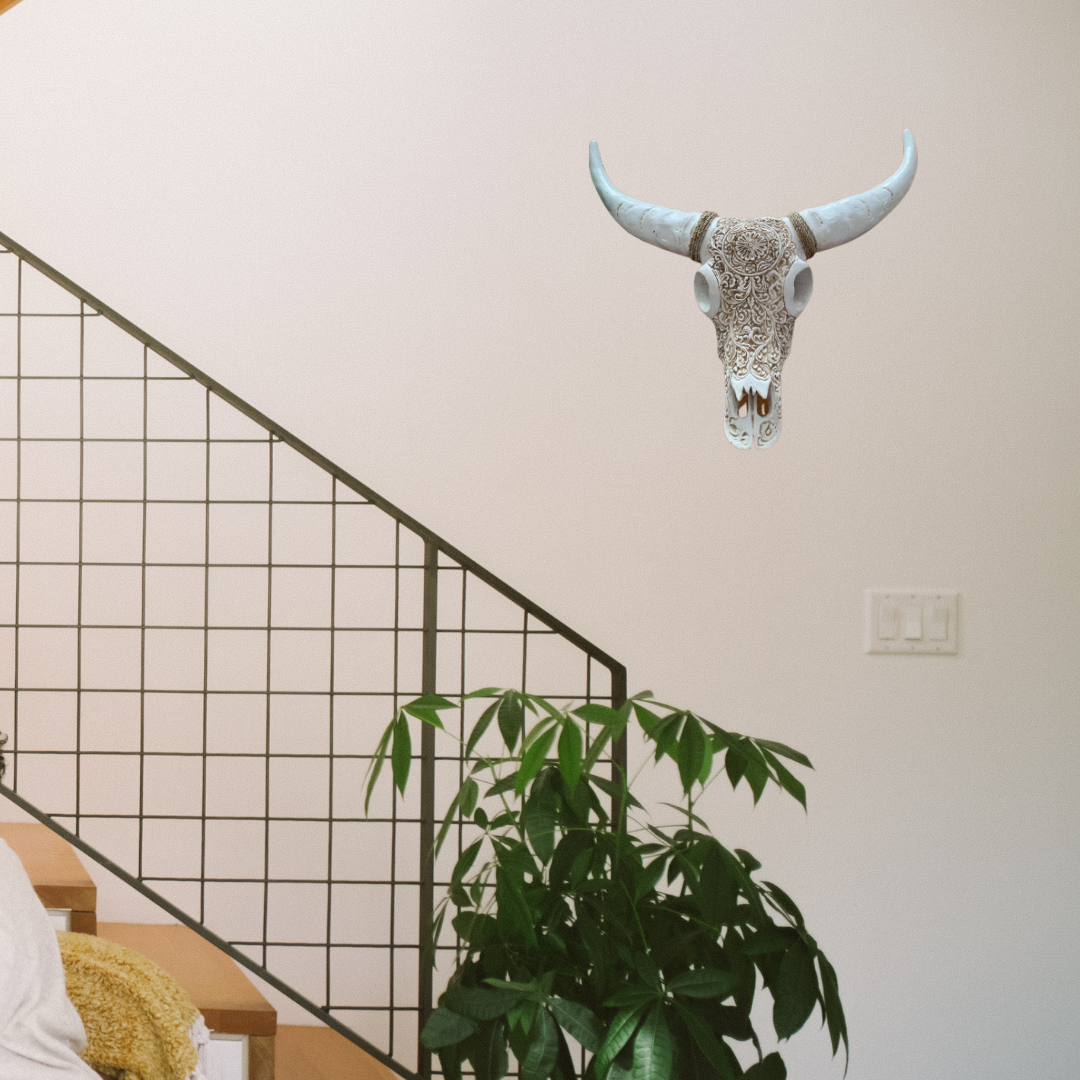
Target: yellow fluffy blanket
(137,1017)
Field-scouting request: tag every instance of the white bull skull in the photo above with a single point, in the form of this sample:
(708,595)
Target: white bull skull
(755,281)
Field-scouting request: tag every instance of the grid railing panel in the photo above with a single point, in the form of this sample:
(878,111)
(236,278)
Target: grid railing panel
(205,626)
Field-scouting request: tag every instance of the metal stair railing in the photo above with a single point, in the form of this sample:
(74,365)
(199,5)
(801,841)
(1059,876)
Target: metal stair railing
(204,626)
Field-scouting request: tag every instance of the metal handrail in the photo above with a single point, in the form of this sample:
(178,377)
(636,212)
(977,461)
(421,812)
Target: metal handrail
(433,546)
(618,671)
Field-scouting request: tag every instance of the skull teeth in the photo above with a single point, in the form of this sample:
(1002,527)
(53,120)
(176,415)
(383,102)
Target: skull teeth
(750,384)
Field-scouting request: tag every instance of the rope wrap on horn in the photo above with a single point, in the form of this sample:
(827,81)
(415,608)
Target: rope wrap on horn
(700,229)
(804,233)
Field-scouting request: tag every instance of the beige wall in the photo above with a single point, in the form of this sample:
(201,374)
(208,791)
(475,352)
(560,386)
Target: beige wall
(375,222)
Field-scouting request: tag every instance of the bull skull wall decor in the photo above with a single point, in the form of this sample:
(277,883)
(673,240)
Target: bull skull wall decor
(755,281)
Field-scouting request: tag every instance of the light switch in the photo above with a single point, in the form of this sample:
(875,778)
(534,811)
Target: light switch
(886,623)
(912,620)
(937,628)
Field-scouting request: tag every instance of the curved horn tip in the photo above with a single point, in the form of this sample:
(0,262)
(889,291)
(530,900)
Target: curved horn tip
(656,225)
(847,219)
(910,150)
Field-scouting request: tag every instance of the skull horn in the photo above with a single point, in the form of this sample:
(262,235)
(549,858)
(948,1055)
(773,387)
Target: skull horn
(839,222)
(671,230)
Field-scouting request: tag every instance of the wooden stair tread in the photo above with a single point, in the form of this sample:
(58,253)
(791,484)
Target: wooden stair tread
(222,992)
(320,1053)
(59,879)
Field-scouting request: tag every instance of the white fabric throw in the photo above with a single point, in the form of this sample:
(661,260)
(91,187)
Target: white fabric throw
(41,1035)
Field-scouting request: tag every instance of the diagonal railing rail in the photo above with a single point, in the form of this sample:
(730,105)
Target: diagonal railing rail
(204,626)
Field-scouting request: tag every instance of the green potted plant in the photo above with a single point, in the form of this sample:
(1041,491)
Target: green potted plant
(580,928)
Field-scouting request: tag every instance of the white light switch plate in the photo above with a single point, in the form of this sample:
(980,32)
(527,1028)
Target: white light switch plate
(912,620)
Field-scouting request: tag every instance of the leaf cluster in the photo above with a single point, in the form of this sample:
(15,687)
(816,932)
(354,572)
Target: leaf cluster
(645,946)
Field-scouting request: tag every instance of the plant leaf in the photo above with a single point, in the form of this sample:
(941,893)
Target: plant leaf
(716,890)
(631,997)
(654,1048)
(649,876)
(500,786)
(596,748)
(512,913)
(532,700)
(747,860)
(594,713)
(707,1042)
(444,1028)
(474,928)
(534,760)
(428,716)
(470,793)
(645,717)
(511,718)
(401,754)
(427,709)
(481,726)
(465,861)
(538,817)
(707,762)
(684,810)
(691,754)
(578,1022)
(503,984)
(834,1011)
(794,990)
(735,766)
(450,1061)
(615,791)
(487,1052)
(543,1049)
(619,1033)
(465,801)
(376,763)
(757,776)
(791,784)
(771,1067)
(538,729)
(773,939)
(647,969)
(480,1003)
(665,733)
(428,948)
(704,983)
(785,903)
(487,691)
(570,747)
(431,701)
(784,751)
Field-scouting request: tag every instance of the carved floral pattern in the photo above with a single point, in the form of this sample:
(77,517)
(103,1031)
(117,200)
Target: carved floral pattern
(751,260)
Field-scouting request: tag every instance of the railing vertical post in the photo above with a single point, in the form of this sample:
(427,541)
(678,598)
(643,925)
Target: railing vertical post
(618,747)
(427,801)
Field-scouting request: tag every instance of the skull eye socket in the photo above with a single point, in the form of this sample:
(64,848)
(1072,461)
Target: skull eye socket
(707,290)
(798,287)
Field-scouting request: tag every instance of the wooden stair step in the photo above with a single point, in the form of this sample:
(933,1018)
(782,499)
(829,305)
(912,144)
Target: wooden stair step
(221,991)
(320,1053)
(59,879)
